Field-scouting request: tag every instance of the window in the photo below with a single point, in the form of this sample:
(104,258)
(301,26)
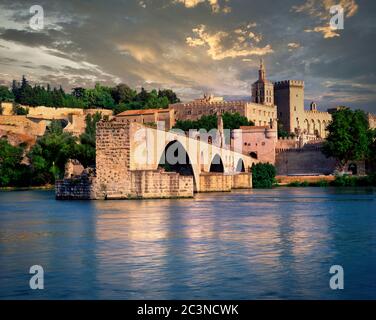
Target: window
(263,143)
(294,108)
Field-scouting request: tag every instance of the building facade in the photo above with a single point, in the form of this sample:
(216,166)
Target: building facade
(149,116)
(258,142)
(289,97)
(260,114)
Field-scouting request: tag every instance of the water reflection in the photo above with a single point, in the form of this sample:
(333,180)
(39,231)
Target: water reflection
(245,245)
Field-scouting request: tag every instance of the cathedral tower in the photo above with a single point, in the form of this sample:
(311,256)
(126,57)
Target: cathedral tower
(262,89)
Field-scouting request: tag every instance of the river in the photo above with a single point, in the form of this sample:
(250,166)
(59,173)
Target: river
(259,244)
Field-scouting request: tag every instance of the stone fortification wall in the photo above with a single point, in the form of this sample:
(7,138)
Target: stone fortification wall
(304,161)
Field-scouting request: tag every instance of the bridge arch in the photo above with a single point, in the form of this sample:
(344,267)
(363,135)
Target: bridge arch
(216,164)
(175,158)
(240,167)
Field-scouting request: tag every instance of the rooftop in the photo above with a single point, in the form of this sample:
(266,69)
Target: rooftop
(141,112)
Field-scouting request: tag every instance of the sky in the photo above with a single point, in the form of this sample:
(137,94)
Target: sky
(195,46)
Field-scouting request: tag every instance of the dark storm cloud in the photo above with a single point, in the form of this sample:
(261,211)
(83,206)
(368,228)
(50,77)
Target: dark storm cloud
(28,38)
(145,43)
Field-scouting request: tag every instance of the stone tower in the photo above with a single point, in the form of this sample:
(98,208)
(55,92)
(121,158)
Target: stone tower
(262,89)
(289,98)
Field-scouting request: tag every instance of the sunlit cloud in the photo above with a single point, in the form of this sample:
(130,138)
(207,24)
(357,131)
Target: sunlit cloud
(192,47)
(320,11)
(214,4)
(221,45)
(293,45)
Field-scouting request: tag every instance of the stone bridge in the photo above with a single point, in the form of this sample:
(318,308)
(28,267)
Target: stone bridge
(137,161)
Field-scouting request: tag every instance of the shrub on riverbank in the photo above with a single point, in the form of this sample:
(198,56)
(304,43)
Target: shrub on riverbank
(340,181)
(263,176)
(351,181)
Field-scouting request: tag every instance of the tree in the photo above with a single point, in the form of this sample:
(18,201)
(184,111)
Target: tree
(12,172)
(372,151)
(86,149)
(231,121)
(156,102)
(143,96)
(100,97)
(263,175)
(234,121)
(122,93)
(19,111)
(348,138)
(118,98)
(50,154)
(169,94)
(6,95)
(282,133)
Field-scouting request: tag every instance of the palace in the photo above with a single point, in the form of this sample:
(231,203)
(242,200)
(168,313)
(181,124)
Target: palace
(261,109)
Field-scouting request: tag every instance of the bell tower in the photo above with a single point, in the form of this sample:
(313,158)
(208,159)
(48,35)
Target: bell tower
(262,89)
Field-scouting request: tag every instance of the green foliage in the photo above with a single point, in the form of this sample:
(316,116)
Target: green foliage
(354,181)
(170,95)
(340,181)
(6,95)
(119,98)
(100,97)
(298,184)
(263,175)
(344,181)
(155,101)
(372,148)
(234,121)
(12,172)
(123,94)
(20,111)
(50,154)
(86,149)
(37,95)
(349,137)
(207,123)
(321,183)
(230,121)
(282,133)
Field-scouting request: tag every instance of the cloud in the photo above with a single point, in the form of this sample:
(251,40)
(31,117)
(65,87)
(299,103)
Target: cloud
(320,11)
(327,31)
(214,4)
(221,45)
(33,39)
(293,45)
(153,45)
(140,52)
